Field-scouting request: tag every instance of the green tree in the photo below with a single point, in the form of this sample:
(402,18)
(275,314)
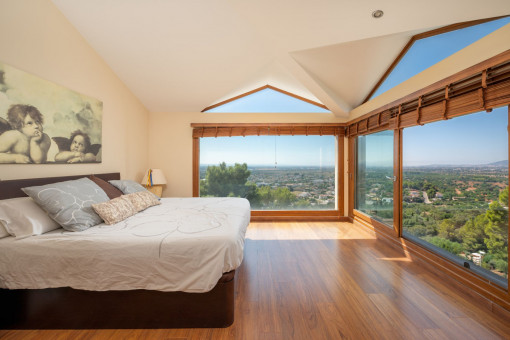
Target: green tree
(496,232)
(497,229)
(265,197)
(472,233)
(450,246)
(283,197)
(446,229)
(225,181)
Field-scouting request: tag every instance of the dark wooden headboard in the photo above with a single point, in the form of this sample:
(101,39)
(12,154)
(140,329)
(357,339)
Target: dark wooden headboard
(12,188)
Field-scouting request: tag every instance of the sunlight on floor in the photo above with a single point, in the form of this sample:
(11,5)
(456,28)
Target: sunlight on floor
(398,259)
(307,231)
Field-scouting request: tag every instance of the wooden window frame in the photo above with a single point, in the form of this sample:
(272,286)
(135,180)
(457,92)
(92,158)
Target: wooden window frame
(322,106)
(206,130)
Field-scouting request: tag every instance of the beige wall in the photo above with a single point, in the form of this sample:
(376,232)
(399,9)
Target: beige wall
(35,37)
(171,144)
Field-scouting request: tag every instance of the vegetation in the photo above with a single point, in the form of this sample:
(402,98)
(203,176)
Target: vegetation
(461,210)
(277,189)
(375,193)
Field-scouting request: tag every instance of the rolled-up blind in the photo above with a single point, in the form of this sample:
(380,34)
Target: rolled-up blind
(482,90)
(230,130)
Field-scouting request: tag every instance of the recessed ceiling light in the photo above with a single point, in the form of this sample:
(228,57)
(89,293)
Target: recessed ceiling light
(377,14)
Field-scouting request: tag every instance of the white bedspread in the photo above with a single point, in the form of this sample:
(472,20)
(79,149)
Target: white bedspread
(184,244)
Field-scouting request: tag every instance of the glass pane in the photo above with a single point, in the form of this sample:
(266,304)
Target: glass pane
(272,172)
(429,51)
(268,100)
(455,190)
(374,176)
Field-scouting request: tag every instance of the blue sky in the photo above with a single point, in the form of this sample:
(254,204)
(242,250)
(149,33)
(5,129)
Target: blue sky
(268,100)
(260,150)
(429,51)
(379,148)
(478,138)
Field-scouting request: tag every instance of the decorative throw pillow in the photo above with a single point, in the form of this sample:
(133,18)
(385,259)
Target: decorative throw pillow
(127,186)
(22,217)
(142,200)
(70,202)
(109,189)
(116,210)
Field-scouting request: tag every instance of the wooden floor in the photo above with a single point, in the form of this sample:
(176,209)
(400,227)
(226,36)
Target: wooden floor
(329,281)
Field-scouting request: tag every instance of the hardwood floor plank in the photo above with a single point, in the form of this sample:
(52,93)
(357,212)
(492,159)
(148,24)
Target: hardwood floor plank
(395,317)
(434,334)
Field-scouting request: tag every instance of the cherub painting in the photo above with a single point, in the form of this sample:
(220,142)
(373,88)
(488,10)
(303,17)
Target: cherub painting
(22,139)
(41,122)
(76,149)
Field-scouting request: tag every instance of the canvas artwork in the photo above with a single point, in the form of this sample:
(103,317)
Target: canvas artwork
(42,122)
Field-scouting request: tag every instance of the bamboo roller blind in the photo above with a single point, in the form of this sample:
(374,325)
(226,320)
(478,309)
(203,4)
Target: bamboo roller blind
(231,130)
(484,90)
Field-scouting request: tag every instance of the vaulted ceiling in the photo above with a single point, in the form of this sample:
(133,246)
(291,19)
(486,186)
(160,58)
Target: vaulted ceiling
(182,56)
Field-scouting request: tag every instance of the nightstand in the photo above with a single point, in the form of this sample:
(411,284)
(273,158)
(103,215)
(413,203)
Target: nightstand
(155,189)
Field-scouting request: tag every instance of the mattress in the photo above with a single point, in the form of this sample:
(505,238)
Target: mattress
(184,244)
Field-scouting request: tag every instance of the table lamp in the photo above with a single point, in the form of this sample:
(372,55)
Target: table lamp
(154,180)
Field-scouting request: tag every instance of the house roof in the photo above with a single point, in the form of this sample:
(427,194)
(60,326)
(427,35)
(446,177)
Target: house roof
(183,56)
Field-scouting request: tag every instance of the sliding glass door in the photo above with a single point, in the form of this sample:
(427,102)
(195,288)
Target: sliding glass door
(374,176)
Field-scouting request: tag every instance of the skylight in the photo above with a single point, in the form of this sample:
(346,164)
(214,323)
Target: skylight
(429,51)
(268,100)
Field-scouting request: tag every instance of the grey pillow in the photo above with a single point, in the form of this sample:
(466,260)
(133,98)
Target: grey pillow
(127,186)
(69,203)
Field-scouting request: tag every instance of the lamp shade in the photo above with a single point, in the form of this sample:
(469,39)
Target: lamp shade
(153,177)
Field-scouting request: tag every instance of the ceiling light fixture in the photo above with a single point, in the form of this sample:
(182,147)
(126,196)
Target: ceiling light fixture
(377,14)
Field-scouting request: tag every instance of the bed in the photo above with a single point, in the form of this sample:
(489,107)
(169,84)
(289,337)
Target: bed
(183,276)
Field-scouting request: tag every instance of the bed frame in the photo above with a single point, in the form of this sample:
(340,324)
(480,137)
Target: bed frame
(68,308)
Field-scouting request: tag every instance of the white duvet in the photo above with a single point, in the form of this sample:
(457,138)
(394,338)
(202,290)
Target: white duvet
(184,244)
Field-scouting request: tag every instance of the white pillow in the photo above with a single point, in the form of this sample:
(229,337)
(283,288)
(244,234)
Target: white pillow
(3,231)
(22,217)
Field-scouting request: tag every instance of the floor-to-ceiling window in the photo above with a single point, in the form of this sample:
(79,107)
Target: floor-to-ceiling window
(374,176)
(455,190)
(272,172)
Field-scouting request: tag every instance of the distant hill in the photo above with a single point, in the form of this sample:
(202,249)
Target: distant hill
(500,164)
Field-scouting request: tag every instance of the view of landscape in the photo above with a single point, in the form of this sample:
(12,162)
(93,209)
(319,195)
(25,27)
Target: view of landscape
(272,172)
(270,188)
(455,188)
(463,210)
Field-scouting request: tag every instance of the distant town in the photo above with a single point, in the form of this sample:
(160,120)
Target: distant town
(312,185)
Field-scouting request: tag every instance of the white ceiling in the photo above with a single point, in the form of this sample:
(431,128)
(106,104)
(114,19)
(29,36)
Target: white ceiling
(184,55)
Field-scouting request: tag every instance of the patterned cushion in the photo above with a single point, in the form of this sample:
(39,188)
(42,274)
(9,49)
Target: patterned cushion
(116,210)
(69,203)
(142,200)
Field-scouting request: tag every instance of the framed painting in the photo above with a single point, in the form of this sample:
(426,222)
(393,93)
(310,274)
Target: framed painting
(45,123)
